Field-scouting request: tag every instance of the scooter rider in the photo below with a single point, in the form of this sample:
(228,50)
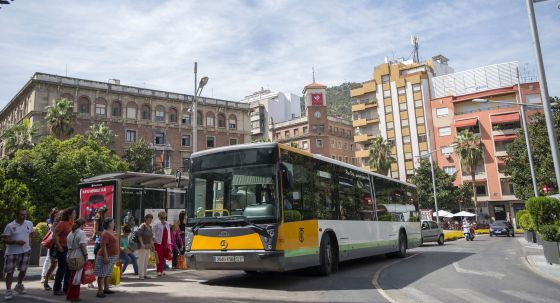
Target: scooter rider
(467,230)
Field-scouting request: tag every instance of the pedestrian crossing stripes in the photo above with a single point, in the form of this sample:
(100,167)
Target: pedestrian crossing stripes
(412,294)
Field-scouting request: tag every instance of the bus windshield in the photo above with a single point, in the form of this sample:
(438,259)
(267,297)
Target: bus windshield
(247,192)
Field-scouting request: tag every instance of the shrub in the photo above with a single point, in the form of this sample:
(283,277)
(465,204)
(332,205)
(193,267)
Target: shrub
(453,235)
(518,216)
(386,217)
(482,231)
(550,232)
(526,222)
(41,230)
(543,210)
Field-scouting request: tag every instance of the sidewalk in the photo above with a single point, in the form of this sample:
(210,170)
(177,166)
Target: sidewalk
(536,261)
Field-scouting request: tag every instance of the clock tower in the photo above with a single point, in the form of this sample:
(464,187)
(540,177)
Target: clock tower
(314,95)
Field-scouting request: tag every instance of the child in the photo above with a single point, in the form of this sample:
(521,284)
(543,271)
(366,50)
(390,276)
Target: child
(176,244)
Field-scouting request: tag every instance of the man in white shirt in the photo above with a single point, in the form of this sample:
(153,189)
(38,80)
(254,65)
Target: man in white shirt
(17,236)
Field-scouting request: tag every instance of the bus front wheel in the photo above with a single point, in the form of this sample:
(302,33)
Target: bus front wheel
(327,257)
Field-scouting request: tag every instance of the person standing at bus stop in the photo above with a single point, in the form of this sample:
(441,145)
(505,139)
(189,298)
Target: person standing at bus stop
(61,231)
(145,237)
(17,236)
(162,241)
(50,261)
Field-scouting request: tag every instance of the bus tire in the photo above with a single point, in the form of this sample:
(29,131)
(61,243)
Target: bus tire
(326,256)
(401,253)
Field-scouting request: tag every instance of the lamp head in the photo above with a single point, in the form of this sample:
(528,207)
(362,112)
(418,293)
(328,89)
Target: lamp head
(203,82)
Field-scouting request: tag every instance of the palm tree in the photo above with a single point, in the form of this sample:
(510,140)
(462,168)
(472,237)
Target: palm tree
(380,155)
(20,136)
(102,135)
(60,117)
(470,150)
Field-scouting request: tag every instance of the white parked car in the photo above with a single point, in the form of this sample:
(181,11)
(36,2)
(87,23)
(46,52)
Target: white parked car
(431,232)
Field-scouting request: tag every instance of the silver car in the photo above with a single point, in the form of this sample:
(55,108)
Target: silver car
(431,232)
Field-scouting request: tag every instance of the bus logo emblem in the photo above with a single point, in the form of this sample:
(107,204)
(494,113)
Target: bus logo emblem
(223,234)
(224,244)
(301,232)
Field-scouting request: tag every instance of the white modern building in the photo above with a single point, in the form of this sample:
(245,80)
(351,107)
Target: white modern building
(269,107)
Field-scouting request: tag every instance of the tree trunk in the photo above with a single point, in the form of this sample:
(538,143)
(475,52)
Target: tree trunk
(474,196)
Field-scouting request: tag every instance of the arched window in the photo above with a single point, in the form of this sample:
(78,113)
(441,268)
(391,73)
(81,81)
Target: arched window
(210,119)
(100,107)
(131,109)
(232,122)
(186,117)
(83,105)
(67,96)
(116,109)
(160,113)
(199,121)
(146,112)
(221,120)
(172,115)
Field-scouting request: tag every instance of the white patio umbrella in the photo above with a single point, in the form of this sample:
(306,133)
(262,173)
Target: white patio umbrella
(464,214)
(442,213)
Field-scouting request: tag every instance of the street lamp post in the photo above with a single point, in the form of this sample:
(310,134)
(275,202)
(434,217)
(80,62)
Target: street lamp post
(197,93)
(544,92)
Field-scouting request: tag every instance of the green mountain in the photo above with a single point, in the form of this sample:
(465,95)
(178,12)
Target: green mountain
(338,101)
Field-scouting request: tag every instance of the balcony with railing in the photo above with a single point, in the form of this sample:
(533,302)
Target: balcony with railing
(359,104)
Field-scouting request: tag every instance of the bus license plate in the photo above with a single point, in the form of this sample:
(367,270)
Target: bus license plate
(229,259)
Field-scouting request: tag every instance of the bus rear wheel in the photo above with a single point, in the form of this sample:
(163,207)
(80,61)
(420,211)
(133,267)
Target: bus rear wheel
(401,253)
(326,255)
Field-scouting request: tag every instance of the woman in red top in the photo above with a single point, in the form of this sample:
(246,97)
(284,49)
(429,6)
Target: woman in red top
(61,231)
(106,258)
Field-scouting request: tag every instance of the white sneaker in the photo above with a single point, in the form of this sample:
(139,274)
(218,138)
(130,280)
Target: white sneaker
(8,295)
(20,289)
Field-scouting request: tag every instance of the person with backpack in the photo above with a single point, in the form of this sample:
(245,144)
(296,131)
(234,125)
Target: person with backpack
(127,244)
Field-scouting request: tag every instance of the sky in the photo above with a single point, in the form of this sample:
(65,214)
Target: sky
(243,45)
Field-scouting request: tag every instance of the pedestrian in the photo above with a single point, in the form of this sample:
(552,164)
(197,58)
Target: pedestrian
(77,250)
(63,228)
(176,245)
(145,237)
(50,261)
(106,258)
(100,215)
(182,224)
(17,236)
(162,241)
(127,254)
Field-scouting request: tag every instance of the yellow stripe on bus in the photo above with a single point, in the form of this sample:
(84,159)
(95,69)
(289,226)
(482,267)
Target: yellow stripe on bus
(246,242)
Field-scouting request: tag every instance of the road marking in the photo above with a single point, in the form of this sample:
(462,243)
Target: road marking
(479,273)
(375,280)
(526,296)
(470,295)
(420,296)
(42,299)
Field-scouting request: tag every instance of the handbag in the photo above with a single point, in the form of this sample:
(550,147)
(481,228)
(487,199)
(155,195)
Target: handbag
(181,262)
(48,240)
(115,278)
(152,261)
(88,275)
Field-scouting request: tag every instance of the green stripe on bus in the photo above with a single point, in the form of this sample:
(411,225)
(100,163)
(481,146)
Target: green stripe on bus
(301,252)
(367,244)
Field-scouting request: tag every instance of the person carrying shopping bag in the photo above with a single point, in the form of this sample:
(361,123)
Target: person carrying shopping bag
(77,257)
(60,235)
(162,241)
(106,258)
(144,235)
(176,245)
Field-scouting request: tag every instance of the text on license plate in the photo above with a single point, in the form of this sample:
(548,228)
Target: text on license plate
(225,259)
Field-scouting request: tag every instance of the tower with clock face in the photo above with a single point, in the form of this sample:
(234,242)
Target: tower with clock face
(314,95)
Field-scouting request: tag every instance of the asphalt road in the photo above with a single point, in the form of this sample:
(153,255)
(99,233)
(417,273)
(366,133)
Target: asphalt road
(486,270)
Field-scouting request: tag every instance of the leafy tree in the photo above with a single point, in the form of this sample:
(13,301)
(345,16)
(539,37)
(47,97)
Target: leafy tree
(139,156)
(444,187)
(102,135)
(13,196)
(380,155)
(53,169)
(470,150)
(517,161)
(60,117)
(20,136)
(463,196)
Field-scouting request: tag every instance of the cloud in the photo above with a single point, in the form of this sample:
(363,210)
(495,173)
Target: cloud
(245,45)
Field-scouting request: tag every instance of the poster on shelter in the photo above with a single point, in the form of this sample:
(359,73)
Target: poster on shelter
(92,198)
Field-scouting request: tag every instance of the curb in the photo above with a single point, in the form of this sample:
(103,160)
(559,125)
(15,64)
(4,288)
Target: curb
(533,267)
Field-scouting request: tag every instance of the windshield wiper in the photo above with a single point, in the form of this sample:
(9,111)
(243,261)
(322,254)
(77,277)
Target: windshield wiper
(202,222)
(256,228)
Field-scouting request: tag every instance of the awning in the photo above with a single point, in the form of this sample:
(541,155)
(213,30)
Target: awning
(514,117)
(466,122)
(505,137)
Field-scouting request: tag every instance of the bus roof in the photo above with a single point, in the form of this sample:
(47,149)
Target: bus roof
(287,147)
(134,179)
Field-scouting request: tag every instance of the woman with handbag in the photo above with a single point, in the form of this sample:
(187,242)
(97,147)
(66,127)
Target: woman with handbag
(145,238)
(106,258)
(176,245)
(61,232)
(50,261)
(162,241)
(77,256)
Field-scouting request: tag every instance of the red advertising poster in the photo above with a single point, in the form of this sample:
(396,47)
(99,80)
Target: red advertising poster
(316,99)
(93,197)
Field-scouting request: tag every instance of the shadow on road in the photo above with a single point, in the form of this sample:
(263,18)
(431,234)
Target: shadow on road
(404,273)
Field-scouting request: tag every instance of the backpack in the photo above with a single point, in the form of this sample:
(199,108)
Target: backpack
(133,242)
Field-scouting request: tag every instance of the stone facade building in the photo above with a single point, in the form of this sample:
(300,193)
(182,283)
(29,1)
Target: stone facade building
(161,118)
(317,132)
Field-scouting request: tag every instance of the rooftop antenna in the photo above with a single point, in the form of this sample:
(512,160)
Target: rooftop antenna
(414,40)
(66,70)
(313,70)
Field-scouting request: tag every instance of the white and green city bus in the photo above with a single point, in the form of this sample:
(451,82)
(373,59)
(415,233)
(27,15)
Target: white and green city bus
(271,207)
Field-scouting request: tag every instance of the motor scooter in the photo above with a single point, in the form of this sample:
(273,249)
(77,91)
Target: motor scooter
(468,232)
